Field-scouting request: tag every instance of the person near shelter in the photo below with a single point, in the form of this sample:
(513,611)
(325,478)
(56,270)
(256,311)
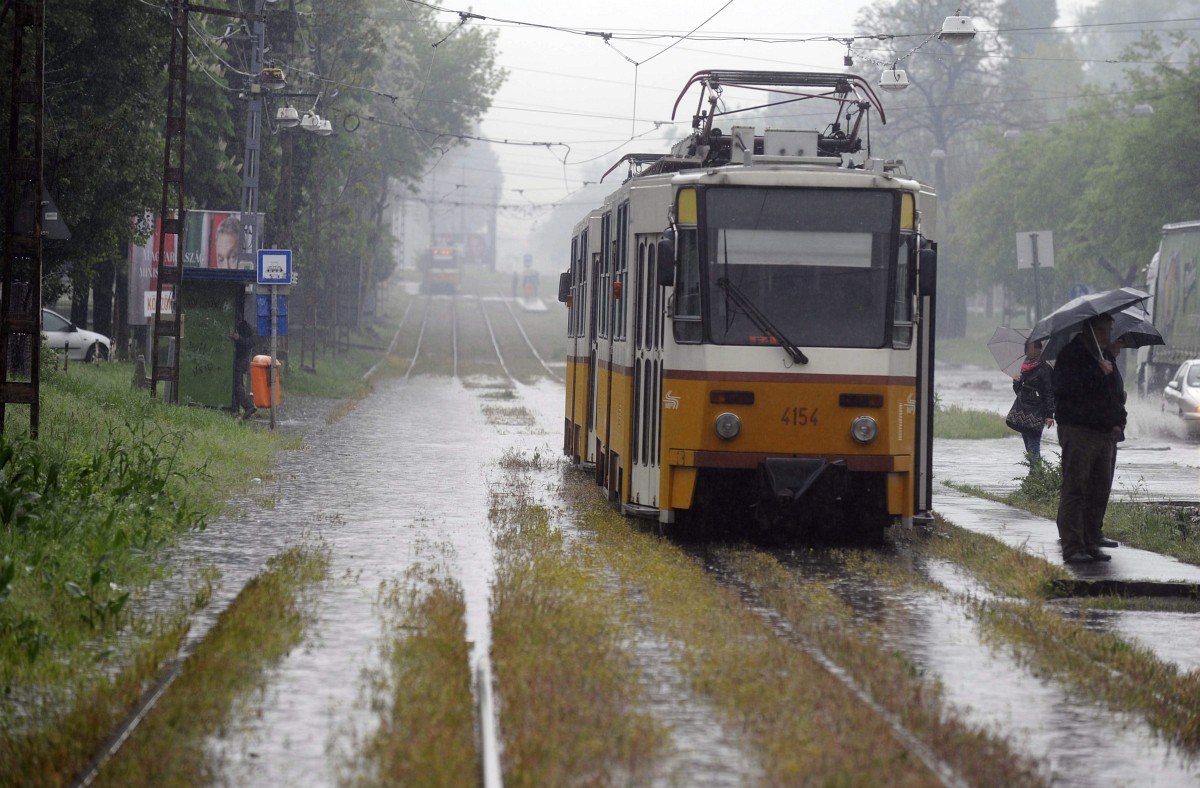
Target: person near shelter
(1089,406)
(1036,393)
(243,348)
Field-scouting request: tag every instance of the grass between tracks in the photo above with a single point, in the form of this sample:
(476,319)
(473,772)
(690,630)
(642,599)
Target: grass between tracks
(568,691)
(957,422)
(422,696)
(170,746)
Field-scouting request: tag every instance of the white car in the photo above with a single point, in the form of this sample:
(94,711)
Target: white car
(1182,395)
(80,344)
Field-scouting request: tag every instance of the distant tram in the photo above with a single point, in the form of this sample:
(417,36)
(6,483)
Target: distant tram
(440,270)
(750,322)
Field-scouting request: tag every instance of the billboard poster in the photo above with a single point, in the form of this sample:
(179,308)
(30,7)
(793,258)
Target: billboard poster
(214,239)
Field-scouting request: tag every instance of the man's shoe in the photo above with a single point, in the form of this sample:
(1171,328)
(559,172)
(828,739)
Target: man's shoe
(1106,542)
(1098,555)
(1079,557)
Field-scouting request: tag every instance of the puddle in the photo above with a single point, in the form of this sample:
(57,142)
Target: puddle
(1079,742)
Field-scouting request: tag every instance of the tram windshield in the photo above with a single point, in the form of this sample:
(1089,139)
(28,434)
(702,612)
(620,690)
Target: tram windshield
(815,262)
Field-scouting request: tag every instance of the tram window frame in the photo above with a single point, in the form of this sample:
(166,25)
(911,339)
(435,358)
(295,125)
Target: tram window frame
(902,305)
(605,278)
(880,264)
(621,273)
(688,312)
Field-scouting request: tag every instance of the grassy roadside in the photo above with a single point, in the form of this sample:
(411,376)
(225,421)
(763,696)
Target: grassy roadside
(1168,530)
(86,512)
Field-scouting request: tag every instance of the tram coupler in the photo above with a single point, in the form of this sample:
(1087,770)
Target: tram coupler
(787,479)
(801,491)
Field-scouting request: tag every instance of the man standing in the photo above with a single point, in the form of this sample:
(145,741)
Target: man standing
(243,348)
(1091,413)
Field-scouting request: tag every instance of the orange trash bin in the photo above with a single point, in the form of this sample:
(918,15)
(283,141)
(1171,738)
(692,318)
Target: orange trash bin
(259,383)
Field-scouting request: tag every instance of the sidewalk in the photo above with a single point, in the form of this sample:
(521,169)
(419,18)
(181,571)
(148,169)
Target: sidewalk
(1130,569)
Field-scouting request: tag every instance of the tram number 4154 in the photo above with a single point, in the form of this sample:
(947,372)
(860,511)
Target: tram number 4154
(799,417)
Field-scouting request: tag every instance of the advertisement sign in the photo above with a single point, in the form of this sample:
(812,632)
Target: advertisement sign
(213,239)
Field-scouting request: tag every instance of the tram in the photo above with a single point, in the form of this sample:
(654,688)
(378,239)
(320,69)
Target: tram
(440,270)
(751,322)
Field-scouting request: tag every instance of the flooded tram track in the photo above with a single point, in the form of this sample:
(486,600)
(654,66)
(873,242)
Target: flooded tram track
(928,613)
(957,708)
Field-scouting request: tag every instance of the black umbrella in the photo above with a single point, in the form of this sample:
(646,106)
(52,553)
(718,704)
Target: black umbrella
(1131,325)
(1072,315)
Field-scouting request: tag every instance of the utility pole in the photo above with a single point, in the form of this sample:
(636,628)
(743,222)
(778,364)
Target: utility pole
(167,325)
(21,272)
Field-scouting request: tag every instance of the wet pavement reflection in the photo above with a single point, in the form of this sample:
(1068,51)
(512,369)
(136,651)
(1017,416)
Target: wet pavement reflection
(400,479)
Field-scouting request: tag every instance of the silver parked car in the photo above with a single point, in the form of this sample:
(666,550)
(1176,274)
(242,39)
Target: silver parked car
(1182,395)
(80,344)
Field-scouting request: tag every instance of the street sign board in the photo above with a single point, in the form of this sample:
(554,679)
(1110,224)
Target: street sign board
(274,266)
(1077,290)
(1035,248)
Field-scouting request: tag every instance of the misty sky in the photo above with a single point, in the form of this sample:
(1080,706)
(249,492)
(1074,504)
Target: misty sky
(585,95)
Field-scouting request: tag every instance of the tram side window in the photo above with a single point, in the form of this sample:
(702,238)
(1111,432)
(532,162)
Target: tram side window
(687,325)
(902,315)
(605,283)
(621,265)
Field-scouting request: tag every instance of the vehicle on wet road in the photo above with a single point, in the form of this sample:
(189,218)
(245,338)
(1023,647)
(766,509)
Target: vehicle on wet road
(750,319)
(1174,309)
(1182,396)
(79,343)
(441,270)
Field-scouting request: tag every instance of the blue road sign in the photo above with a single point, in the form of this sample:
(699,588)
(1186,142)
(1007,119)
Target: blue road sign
(274,266)
(1078,290)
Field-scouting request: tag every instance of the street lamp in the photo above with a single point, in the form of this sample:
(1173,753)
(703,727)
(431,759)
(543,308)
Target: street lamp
(893,79)
(957,30)
(287,117)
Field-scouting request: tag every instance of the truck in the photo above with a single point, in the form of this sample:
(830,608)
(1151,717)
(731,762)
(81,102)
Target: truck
(1174,308)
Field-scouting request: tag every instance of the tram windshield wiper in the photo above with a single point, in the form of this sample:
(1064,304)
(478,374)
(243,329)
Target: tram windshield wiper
(759,319)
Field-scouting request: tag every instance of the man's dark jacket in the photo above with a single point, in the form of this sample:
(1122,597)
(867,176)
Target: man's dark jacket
(1084,395)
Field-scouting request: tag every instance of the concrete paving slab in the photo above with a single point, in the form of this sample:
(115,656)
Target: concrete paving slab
(1039,536)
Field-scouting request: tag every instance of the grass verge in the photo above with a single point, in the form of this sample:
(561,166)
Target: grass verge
(963,423)
(1160,528)
(86,511)
(1099,665)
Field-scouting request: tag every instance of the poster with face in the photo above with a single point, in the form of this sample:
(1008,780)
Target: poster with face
(225,245)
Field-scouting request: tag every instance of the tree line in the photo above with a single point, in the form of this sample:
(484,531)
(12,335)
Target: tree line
(397,103)
(1033,126)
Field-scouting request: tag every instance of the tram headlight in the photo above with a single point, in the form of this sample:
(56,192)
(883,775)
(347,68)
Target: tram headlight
(728,426)
(864,429)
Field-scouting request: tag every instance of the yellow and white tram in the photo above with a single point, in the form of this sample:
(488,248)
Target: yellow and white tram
(751,325)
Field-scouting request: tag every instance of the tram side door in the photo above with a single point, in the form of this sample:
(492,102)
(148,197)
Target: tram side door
(647,375)
(923,450)
(593,344)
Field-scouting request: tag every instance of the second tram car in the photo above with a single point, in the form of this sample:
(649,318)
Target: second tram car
(750,322)
(440,270)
